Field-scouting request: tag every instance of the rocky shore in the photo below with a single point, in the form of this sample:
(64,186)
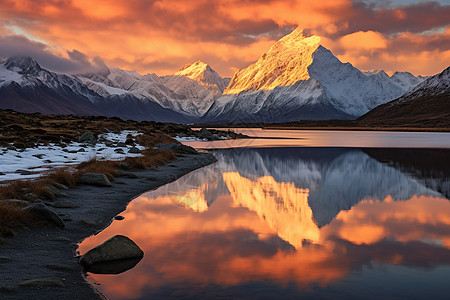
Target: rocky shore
(43,263)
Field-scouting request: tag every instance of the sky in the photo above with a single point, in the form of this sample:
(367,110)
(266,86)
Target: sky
(79,36)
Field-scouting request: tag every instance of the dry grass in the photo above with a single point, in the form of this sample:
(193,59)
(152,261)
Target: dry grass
(12,216)
(63,176)
(151,158)
(106,167)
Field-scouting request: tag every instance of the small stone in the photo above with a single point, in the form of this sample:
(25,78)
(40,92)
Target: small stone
(24,172)
(88,222)
(81,150)
(45,212)
(60,186)
(120,151)
(119,218)
(4,259)
(44,281)
(127,175)
(64,204)
(134,150)
(88,138)
(123,166)
(62,239)
(54,190)
(120,144)
(95,179)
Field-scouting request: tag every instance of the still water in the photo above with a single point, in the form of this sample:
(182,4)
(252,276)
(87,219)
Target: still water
(292,222)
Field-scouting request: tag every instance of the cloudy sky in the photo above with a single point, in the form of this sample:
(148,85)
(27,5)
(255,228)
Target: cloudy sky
(162,36)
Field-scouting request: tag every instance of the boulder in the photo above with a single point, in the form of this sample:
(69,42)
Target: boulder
(46,213)
(176,148)
(87,138)
(96,179)
(114,256)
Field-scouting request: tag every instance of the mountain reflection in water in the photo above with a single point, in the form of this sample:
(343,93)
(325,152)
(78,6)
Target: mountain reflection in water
(288,223)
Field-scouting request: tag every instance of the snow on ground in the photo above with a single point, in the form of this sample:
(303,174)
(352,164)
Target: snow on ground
(189,139)
(32,162)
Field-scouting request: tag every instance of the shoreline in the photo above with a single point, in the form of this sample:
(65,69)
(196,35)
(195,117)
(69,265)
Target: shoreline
(49,253)
(396,129)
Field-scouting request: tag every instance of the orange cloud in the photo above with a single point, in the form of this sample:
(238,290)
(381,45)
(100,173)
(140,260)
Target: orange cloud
(162,36)
(366,41)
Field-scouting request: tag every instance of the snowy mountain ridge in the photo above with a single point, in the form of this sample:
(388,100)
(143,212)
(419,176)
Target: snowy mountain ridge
(296,79)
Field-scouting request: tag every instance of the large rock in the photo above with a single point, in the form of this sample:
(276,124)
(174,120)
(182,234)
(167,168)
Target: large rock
(176,148)
(88,138)
(114,256)
(46,213)
(95,179)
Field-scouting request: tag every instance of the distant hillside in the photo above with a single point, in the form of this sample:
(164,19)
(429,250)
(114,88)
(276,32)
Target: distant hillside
(427,105)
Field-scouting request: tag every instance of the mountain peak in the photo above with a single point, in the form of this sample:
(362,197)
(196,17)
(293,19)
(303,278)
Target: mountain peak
(203,74)
(22,64)
(284,64)
(193,70)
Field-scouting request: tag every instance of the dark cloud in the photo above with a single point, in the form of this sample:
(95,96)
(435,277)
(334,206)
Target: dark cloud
(76,63)
(414,18)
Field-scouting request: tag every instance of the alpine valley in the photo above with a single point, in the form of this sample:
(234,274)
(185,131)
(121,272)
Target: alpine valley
(297,79)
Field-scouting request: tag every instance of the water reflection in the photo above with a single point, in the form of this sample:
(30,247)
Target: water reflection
(288,223)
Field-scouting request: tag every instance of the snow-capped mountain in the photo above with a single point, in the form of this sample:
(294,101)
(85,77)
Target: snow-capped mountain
(296,79)
(199,83)
(300,79)
(427,104)
(26,87)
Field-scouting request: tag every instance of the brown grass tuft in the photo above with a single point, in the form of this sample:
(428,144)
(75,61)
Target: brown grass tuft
(63,176)
(151,158)
(106,167)
(12,216)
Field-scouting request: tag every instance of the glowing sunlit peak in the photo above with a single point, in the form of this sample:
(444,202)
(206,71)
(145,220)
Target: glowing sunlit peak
(283,206)
(193,71)
(203,74)
(284,64)
(193,199)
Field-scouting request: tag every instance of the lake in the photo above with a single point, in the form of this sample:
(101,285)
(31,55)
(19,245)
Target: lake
(309,216)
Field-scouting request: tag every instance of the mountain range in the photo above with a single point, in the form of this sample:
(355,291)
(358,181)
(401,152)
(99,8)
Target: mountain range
(296,79)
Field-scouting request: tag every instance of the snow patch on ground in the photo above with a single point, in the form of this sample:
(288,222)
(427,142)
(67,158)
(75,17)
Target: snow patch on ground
(17,164)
